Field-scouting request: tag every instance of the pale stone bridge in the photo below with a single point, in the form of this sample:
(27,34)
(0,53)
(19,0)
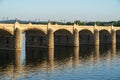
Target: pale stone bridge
(49,35)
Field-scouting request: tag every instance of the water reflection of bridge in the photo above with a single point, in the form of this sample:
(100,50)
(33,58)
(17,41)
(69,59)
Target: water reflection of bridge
(50,35)
(51,59)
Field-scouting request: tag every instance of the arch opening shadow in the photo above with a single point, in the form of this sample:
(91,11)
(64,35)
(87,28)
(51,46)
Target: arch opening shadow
(6,40)
(35,56)
(86,37)
(63,38)
(118,37)
(7,57)
(105,37)
(63,53)
(35,38)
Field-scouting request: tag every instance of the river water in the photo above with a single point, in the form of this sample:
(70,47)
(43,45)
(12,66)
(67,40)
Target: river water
(62,63)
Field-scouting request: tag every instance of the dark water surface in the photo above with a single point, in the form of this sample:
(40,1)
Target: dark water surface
(61,63)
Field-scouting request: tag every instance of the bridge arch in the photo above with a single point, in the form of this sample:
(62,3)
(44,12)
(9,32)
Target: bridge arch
(35,38)
(105,36)
(32,28)
(6,39)
(105,29)
(63,37)
(7,30)
(85,29)
(86,37)
(65,29)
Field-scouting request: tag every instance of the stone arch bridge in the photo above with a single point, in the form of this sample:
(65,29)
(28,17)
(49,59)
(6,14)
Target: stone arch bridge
(49,35)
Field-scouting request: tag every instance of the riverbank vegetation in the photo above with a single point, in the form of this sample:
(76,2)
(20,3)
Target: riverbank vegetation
(78,22)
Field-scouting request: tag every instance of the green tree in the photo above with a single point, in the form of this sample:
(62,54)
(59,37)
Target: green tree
(53,22)
(69,23)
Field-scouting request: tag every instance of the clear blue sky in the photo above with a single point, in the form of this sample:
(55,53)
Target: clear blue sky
(70,10)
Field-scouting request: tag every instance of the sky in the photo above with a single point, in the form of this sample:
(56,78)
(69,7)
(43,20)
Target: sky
(61,10)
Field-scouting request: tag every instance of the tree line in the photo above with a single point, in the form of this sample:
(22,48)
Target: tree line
(98,23)
(78,22)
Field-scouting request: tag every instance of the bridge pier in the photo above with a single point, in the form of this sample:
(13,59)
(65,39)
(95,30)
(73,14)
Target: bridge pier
(113,37)
(18,55)
(50,59)
(97,52)
(76,55)
(76,38)
(50,38)
(18,39)
(96,35)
